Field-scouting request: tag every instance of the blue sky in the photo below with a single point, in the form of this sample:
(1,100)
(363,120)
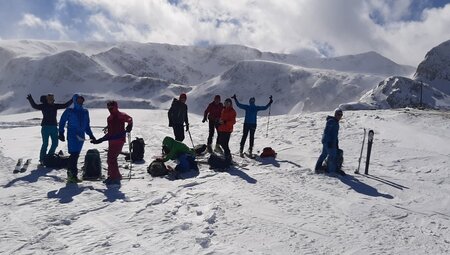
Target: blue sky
(309,27)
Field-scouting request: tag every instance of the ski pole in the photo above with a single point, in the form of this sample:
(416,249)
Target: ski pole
(360,155)
(130,164)
(268,119)
(189,132)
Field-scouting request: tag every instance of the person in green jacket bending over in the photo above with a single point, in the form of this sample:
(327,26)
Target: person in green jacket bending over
(175,150)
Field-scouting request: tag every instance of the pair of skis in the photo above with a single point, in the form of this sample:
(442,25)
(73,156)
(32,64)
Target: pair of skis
(21,168)
(369,150)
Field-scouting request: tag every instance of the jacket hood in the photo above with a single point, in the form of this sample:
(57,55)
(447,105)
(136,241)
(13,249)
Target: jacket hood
(168,141)
(331,118)
(75,104)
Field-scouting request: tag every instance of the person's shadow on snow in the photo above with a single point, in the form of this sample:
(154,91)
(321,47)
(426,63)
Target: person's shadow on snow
(362,187)
(67,193)
(112,193)
(238,172)
(34,176)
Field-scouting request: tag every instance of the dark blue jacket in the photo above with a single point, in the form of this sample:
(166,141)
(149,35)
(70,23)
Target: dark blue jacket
(48,110)
(251,111)
(331,132)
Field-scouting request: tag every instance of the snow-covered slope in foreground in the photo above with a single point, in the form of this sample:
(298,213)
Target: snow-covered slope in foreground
(268,207)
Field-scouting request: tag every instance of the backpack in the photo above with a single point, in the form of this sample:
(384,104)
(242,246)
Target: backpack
(218,162)
(92,168)
(157,168)
(56,161)
(268,152)
(137,149)
(200,149)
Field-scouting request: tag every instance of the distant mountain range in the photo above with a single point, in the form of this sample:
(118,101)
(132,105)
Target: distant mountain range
(149,75)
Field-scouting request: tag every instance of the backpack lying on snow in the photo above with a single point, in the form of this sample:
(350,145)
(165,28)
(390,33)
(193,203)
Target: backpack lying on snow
(157,168)
(56,161)
(92,168)
(268,152)
(218,162)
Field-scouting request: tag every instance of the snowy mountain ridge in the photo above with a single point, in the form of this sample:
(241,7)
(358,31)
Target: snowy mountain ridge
(150,74)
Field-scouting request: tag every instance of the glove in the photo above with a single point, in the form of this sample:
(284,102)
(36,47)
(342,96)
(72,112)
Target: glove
(129,127)
(187,127)
(29,97)
(61,137)
(234,96)
(95,141)
(270,100)
(204,120)
(92,137)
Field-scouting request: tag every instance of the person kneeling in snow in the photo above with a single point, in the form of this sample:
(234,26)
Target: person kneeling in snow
(330,143)
(174,150)
(115,136)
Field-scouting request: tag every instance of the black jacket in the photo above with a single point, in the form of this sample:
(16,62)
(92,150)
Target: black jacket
(48,110)
(178,113)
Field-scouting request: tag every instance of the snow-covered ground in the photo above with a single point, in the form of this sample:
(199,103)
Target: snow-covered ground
(267,207)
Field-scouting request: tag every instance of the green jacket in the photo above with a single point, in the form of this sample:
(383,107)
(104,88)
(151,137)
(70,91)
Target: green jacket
(175,148)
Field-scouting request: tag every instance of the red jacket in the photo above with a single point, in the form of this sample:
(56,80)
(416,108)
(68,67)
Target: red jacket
(116,123)
(228,117)
(214,111)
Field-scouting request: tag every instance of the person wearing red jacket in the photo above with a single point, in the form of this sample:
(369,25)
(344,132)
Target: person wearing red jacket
(115,136)
(226,123)
(212,113)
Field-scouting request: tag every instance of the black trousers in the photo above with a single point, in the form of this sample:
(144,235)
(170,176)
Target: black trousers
(178,131)
(72,164)
(248,128)
(223,139)
(212,127)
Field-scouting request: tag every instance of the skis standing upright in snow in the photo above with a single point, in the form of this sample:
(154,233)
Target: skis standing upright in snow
(369,150)
(362,149)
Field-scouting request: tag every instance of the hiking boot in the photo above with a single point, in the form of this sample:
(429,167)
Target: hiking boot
(209,148)
(241,152)
(218,149)
(341,173)
(73,179)
(110,181)
(250,150)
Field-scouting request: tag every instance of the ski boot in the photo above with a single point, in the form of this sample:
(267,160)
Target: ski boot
(72,178)
(218,149)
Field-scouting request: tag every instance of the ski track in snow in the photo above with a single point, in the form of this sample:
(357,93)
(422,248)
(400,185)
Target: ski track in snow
(272,206)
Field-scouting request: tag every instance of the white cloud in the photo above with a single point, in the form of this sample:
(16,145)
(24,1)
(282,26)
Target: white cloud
(46,26)
(330,27)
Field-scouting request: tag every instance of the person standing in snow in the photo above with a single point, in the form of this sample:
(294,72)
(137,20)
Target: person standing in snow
(212,113)
(115,136)
(251,111)
(226,123)
(330,144)
(178,115)
(49,124)
(78,123)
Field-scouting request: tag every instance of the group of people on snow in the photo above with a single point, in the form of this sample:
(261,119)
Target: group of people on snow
(221,118)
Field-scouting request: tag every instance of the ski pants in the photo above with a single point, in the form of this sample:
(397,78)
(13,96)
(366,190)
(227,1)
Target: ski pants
(212,127)
(331,153)
(248,127)
(114,149)
(46,133)
(223,140)
(178,131)
(186,162)
(72,164)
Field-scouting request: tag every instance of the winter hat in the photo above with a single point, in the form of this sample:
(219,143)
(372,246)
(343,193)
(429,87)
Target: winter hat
(228,100)
(337,111)
(183,95)
(217,97)
(111,103)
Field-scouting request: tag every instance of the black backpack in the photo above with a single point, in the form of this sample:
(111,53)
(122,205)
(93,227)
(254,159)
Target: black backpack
(137,149)
(56,161)
(157,168)
(92,168)
(218,162)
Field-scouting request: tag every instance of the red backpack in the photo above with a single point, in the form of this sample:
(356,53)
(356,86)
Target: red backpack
(268,152)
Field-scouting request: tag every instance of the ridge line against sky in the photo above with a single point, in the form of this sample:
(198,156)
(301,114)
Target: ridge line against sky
(402,30)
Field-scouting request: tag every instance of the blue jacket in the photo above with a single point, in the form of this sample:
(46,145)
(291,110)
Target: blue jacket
(251,111)
(78,124)
(331,132)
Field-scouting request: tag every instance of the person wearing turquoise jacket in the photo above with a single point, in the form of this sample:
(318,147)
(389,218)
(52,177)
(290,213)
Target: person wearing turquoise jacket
(251,112)
(78,124)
